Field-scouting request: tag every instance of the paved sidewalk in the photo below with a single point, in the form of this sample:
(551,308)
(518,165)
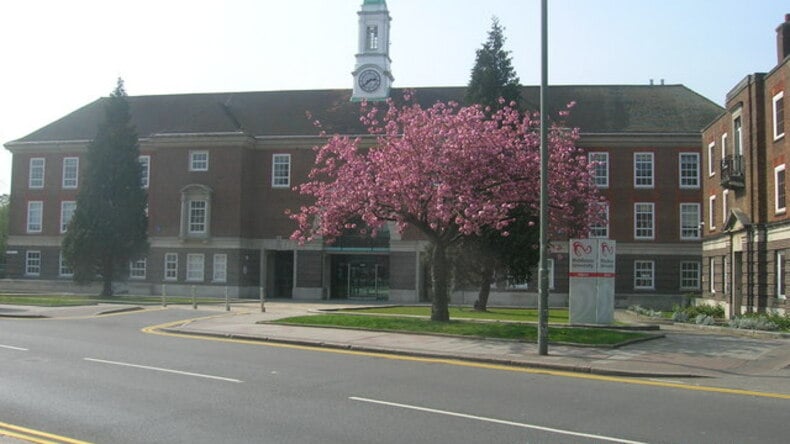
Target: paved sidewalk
(684,352)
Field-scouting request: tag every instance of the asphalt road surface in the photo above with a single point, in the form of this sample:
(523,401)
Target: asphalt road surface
(103,380)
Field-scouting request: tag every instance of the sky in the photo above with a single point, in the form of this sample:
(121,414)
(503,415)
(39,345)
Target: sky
(60,55)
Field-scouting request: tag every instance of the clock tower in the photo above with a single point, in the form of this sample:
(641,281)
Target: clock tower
(372,76)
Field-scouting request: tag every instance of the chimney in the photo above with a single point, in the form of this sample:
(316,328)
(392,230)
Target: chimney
(783,39)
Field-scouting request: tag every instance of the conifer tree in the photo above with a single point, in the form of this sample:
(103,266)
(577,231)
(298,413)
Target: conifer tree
(109,226)
(493,76)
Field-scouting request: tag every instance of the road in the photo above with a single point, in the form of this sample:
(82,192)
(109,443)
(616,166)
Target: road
(103,380)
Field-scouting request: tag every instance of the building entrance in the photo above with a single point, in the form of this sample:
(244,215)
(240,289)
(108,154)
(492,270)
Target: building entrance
(360,277)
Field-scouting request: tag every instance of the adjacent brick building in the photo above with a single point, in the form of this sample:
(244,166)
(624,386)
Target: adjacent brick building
(747,228)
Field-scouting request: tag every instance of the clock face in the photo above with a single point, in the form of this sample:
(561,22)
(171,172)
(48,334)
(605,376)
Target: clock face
(369,80)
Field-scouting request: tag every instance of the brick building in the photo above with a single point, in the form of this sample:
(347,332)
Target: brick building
(747,228)
(219,169)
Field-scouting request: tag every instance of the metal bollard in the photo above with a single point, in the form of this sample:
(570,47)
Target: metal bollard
(194,301)
(164,295)
(263,299)
(227,300)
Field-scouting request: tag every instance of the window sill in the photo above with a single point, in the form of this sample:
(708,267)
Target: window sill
(781,211)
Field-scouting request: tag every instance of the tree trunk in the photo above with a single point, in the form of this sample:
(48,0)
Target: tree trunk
(106,275)
(439,308)
(487,274)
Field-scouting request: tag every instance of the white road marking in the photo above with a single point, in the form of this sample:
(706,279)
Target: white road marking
(165,370)
(496,421)
(11,347)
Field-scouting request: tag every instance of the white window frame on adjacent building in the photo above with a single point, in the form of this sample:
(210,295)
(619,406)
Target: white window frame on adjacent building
(63,269)
(688,170)
(644,275)
(601,230)
(690,275)
(644,220)
(137,269)
(36,172)
(600,162)
(33,263)
(644,169)
(71,172)
(712,159)
(220,268)
(780,275)
(780,189)
(196,267)
(67,209)
(737,134)
(778,112)
(35,216)
(712,274)
(171,267)
(690,221)
(723,146)
(145,174)
(281,170)
(712,212)
(198,160)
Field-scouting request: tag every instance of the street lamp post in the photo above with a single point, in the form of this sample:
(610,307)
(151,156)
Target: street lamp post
(543,275)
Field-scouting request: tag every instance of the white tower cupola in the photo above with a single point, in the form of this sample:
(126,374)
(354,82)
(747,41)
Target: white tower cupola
(372,76)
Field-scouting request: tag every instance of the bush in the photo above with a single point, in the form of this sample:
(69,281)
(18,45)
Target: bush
(680,316)
(638,309)
(699,313)
(703,319)
(753,322)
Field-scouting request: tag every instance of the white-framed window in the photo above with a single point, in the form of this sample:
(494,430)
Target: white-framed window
(601,230)
(171,266)
(198,161)
(281,170)
(725,274)
(644,275)
(689,275)
(725,207)
(644,220)
(195,267)
(780,187)
(220,268)
(35,216)
(67,208)
(712,159)
(36,172)
(780,275)
(63,269)
(197,216)
(712,274)
(643,170)
(737,135)
(137,268)
(689,221)
(600,164)
(688,165)
(32,263)
(712,213)
(71,172)
(145,173)
(779,114)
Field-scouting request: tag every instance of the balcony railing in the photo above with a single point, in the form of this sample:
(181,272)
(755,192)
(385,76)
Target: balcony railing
(732,172)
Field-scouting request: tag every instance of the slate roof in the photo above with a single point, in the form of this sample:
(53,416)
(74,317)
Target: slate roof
(600,109)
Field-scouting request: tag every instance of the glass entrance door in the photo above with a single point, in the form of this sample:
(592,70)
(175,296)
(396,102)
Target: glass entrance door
(361,277)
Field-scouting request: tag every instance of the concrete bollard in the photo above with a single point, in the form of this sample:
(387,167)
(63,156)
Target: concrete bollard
(164,295)
(227,300)
(194,301)
(263,299)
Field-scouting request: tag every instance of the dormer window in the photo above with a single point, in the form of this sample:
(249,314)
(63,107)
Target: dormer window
(372,42)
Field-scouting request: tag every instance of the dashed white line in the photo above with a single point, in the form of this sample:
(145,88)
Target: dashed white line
(165,370)
(496,421)
(11,347)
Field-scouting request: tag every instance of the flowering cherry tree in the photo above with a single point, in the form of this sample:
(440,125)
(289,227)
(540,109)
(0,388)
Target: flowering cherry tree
(447,171)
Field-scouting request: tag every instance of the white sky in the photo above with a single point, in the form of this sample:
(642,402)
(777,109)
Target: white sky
(60,55)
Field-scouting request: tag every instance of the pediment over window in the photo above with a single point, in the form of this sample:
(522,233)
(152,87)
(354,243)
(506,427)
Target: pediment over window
(737,221)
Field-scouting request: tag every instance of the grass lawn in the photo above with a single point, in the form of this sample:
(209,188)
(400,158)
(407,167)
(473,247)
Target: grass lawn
(557,315)
(497,330)
(76,300)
